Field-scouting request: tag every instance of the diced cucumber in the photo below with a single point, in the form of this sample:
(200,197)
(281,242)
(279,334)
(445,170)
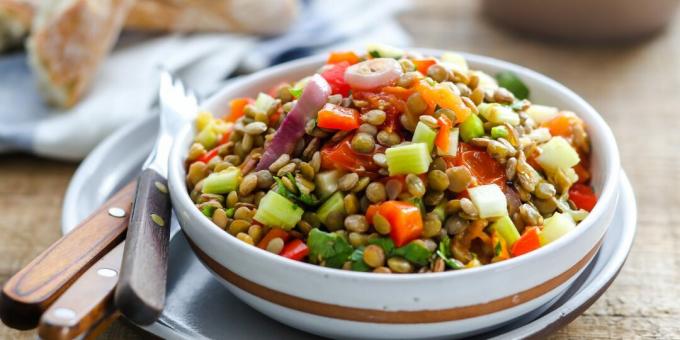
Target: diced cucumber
(384,51)
(453,144)
(541,113)
(277,211)
(555,227)
(454,60)
(499,131)
(424,134)
(411,158)
(499,114)
(326,183)
(557,153)
(335,203)
(471,128)
(222,182)
(489,200)
(506,229)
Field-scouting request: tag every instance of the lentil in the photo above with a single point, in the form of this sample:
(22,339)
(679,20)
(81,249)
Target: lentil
(374,256)
(376,192)
(415,185)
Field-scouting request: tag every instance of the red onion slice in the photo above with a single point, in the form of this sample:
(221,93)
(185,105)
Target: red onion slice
(313,97)
(373,73)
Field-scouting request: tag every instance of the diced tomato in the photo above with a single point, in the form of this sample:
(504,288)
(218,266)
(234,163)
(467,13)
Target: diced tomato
(442,140)
(341,156)
(529,241)
(236,108)
(405,221)
(559,126)
(272,234)
(482,166)
(335,76)
(338,57)
(583,196)
(423,64)
(295,250)
(388,102)
(338,117)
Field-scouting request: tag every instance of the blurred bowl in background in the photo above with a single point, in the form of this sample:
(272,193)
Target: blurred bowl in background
(583,20)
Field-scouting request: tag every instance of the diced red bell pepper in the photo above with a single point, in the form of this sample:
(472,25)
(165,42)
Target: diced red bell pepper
(529,241)
(335,76)
(405,221)
(337,117)
(208,156)
(583,196)
(295,250)
(272,234)
(338,57)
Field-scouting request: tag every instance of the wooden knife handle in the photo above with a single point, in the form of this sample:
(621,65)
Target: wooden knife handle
(27,294)
(86,303)
(140,294)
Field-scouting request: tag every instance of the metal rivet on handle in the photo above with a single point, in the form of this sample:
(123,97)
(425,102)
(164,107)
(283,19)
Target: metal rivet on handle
(158,220)
(106,272)
(116,212)
(161,187)
(64,313)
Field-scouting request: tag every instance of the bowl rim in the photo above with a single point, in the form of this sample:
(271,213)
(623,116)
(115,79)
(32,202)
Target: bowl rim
(608,193)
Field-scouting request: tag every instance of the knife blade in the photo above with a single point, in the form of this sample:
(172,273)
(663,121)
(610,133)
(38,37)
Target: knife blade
(140,294)
(27,294)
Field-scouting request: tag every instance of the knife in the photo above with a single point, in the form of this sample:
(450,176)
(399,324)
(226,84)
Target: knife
(27,294)
(140,293)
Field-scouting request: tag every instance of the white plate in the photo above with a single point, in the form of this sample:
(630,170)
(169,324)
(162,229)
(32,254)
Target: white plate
(199,307)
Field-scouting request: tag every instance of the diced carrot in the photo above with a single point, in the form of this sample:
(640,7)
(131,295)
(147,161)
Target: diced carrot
(529,241)
(398,92)
(445,98)
(337,57)
(272,234)
(423,64)
(500,248)
(208,156)
(559,126)
(405,221)
(237,107)
(338,117)
(442,140)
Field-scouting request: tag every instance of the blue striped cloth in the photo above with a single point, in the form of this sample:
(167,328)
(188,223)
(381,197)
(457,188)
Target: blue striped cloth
(126,86)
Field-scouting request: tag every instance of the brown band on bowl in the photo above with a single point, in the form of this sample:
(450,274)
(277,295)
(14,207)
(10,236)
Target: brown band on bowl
(390,317)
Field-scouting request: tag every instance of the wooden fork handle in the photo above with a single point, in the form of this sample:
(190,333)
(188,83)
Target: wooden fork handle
(28,293)
(86,303)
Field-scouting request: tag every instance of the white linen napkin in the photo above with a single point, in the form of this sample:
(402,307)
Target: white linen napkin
(126,86)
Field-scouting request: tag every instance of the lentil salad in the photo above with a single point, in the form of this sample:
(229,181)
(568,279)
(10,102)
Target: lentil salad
(393,162)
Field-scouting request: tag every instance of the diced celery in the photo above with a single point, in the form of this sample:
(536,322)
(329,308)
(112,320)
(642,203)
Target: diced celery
(499,131)
(541,113)
(471,128)
(489,200)
(453,144)
(222,182)
(507,229)
(203,119)
(277,211)
(335,203)
(424,134)
(411,158)
(557,154)
(207,137)
(384,51)
(497,113)
(326,183)
(454,60)
(264,102)
(555,227)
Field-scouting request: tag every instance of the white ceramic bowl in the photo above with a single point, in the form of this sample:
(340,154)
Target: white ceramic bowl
(340,303)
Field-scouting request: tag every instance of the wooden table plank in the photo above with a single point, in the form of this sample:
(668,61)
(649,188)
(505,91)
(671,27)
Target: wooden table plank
(634,86)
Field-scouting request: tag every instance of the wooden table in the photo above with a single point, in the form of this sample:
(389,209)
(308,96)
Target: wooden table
(635,87)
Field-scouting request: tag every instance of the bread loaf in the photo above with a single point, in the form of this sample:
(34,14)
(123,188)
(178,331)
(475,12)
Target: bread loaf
(69,39)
